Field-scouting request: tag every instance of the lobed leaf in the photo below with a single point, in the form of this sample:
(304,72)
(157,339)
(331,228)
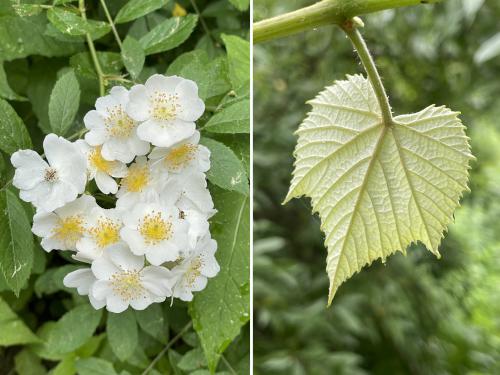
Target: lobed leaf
(377,188)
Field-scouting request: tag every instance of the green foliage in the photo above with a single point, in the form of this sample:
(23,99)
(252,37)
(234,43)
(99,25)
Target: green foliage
(238,54)
(46,59)
(415,314)
(233,118)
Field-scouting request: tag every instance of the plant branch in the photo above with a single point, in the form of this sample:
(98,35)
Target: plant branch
(111,23)
(93,53)
(325,12)
(168,346)
(351,29)
(202,20)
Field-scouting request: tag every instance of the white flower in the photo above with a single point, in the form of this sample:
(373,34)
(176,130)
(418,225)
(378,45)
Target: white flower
(155,231)
(102,231)
(183,157)
(100,169)
(191,274)
(83,280)
(50,185)
(110,126)
(188,192)
(168,106)
(64,227)
(122,280)
(141,184)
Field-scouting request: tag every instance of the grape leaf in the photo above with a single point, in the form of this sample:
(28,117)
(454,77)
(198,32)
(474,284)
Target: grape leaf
(223,307)
(377,188)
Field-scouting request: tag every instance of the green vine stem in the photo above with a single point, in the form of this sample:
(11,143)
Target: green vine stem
(93,53)
(325,12)
(111,23)
(351,29)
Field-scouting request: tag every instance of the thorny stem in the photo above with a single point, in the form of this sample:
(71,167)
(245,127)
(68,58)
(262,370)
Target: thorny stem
(93,53)
(351,29)
(168,346)
(202,20)
(111,23)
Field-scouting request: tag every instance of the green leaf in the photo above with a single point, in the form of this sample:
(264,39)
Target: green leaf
(192,360)
(66,366)
(151,321)
(70,332)
(235,118)
(69,23)
(226,171)
(64,103)
(168,34)
(13,330)
(5,91)
(133,56)
(94,366)
(240,4)
(13,133)
(238,54)
(51,281)
(138,8)
(209,74)
(28,363)
(376,188)
(221,309)
(16,242)
(123,335)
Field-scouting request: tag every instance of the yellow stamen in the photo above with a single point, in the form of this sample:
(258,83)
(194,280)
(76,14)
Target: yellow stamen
(180,156)
(155,229)
(106,232)
(137,178)
(98,162)
(193,272)
(118,123)
(69,230)
(127,284)
(165,106)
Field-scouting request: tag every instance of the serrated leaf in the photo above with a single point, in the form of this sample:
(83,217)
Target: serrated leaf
(64,103)
(123,335)
(133,56)
(377,188)
(138,8)
(16,242)
(13,133)
(240,4)
(235,118)
(94,366)
(238,54)
(168,34)
(221,309)
(69,23)
(226,171)
(13,330)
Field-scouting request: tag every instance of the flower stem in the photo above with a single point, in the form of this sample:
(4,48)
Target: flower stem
(93,53)
(325,12)
(202,20)
(351,29)
(111,23)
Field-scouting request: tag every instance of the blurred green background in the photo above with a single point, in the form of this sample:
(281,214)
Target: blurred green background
(415,314)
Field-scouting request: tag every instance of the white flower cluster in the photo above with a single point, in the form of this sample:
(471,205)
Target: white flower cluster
(156,242)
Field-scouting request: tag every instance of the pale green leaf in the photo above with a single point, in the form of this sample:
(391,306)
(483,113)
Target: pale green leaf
(13,330)
(133,56)
(151,321)
(27,363)
(221,309)
(240,4)
(123,335)
(138,8)
(226,171)
(238,54)
(168,34)
(193,360)
(69,23)
(235,118)
(376,188)
(66,366)
(94,366)
(64,103)
(16,242)
(13,133)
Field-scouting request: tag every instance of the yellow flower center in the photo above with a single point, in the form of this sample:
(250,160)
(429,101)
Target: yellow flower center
(118,123)
(127,284)
(154,228)
(70,229)
(98,162)
(137,178)
(106,232)
(165,106)
(180,156)
(193,272)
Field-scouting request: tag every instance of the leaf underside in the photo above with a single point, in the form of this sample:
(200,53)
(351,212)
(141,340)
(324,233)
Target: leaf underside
(377,188)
